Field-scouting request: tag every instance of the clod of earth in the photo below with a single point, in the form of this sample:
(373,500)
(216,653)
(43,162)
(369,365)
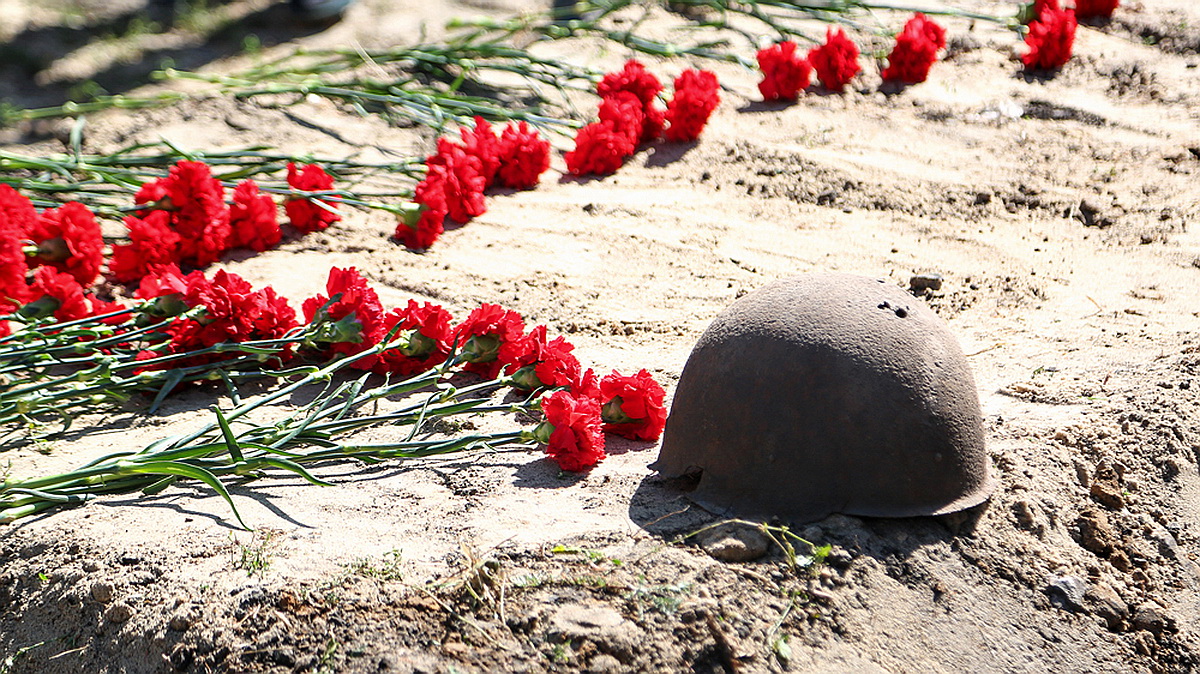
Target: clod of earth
(828,393)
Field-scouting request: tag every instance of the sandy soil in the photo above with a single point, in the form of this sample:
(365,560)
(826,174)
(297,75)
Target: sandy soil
(1058,210)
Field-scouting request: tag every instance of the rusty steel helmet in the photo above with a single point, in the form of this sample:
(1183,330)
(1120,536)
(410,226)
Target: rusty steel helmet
(828,393)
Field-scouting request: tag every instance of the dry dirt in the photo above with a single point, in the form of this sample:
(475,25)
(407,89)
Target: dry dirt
(1059,210)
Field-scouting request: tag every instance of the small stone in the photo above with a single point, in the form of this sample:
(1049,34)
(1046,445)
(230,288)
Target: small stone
(1095,533)
(919,283)
(604,664)
(182,619)
(1106,603)
(1108,494)
(118,613)
(600,625)
(102,591)
(90,565)
(732,542)
(1067,592)
(1153,619)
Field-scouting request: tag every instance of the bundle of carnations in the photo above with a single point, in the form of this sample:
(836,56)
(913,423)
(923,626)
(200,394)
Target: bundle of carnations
(629,116)
(194,328)
(457,175)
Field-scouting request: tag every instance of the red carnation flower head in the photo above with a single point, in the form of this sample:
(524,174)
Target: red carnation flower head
(424,333)
(153,195)
(353,321)
(633,406)
(524,157)
(654,122)
(485,339)
(785,74)
(166,286)
(633,78)
(57,294)
(198,212)
(161,281)
(915,51)
(694,101)
(16,209)
(836,61)
(253,218)
(540,363)
(932,30)
(481,142)
(571,431)
(463,182)
(587,385)
(1096,9)
(600,149)
(232,311)
(68,239)
(17,215)
(624,111)
(418,229)
(1050,39)
(152,242)
(310,214)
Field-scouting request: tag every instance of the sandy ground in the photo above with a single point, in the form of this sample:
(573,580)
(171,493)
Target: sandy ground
(1058,210)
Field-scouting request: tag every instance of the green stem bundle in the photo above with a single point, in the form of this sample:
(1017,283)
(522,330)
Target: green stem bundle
(234,448)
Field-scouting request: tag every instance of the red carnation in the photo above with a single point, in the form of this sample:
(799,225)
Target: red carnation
(253,218)
(486,339)
(151,242)
(654,122)
(57,293)
(927,27)
(16,216)
(1093,9)
(694,100)
(599,148)
(425,329)
(418,230)
(836,61)
(624,111)
(233,312)
(353,322)
(524,157)
(1050,38)
(153,195)
(633,405)
(463,183)
(308,214)
(539,363)
(161,281)
(915,51)
(196,201)
(571,431)
(588,385)
(633,78)
(481,142)
(785,74)
(68,239)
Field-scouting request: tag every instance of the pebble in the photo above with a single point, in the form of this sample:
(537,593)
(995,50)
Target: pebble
(1153,619)
(118,613)
(600,625)
(1066,592)
(919,283)
(733,542)
(1106,603)
(102,591)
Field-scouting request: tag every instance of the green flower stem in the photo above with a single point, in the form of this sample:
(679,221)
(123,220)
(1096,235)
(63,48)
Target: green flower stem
(215,452)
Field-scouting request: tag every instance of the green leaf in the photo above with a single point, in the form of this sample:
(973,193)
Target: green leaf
(230,440)
(172,380)
(193,472)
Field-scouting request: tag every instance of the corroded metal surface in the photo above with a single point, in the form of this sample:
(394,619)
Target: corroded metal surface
(828,393)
